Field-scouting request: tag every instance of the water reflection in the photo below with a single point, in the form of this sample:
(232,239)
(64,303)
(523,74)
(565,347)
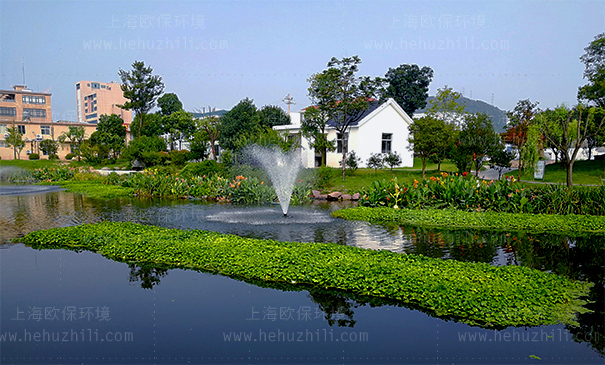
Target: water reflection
(581,258)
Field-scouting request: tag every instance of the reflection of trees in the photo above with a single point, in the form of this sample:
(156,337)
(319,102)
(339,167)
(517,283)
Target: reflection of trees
(148,275)
(337,307)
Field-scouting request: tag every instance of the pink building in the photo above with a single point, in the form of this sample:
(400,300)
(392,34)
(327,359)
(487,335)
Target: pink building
(97,98)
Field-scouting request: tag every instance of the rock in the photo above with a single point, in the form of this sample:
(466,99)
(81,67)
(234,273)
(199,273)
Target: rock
(346,196)
(334,196)
(355,197)
(316,193)
(137,165)
(323,197)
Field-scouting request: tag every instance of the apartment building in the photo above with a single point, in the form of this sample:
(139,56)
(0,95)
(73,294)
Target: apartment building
(97,98)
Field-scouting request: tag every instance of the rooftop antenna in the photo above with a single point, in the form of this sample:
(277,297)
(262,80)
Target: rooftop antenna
(289,100)
(23,69)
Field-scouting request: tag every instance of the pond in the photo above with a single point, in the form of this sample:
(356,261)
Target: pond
(61,306)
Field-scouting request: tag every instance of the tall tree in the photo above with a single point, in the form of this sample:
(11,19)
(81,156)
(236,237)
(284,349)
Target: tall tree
(272,115)
(141,89)
(446,106)
(478,138)
(520,118)
(567,130)
(169,103)
(236,123)
(74,136)
(111,134)
(343,96)
(210,132)
(594,72)
(409,86)
(313,128)
(178,125)
(49,147)
(15,140)
(429,137)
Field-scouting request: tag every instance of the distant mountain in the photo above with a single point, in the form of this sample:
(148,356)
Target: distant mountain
(477,106)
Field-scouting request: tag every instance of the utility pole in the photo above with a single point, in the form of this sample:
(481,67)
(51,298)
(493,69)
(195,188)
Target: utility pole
(289,100)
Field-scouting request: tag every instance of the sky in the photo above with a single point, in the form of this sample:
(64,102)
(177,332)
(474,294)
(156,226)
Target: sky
(216,53)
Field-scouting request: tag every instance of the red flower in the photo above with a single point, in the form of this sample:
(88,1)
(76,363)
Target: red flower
(464,173)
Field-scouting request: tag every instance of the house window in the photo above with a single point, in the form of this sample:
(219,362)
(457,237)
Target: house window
(339,143)
(387,138)
(94,85)
(3,143)
(3,129)
(8,111)
(78,86)
(35,113)
(44,153)
(21,129)
(45,129)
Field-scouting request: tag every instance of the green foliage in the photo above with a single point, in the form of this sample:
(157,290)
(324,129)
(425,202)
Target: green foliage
(15,140)
(110,136)
(169,103)
(430,139)
(49,147)
(238,122)
(94,188)
(465,193)
(341,96)
(594,61)
(204,168)
(375,161)
(34,156)
(272,115)
(352,161)
(178,158)
(208,133)
(323,175)
(178,125)
(492,221)
(54,173)
(409,86)
(141,90)
(147,150)
(69,156)
(74,137)
(446,106)
(476,141)
(474,293)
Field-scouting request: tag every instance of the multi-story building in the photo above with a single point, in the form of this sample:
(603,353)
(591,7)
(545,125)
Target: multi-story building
(97,98)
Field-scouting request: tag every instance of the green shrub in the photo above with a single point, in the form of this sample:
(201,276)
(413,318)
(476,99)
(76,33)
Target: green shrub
(51,174)
(53,157)
(69,156)
(375,161)
(178,158)
(323,175)
(204,168)
(352,161)
(34,156)
(148,150)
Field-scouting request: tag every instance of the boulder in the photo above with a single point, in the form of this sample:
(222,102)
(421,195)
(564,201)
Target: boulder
(346,196)
(316,193)
(334,196)
(355,197)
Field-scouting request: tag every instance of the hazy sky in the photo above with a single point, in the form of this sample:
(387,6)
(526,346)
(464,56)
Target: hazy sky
(219,52)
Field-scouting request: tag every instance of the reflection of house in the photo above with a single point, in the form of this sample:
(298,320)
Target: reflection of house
(383,128)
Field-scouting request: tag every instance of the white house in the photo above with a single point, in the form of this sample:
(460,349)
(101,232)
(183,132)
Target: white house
(383,128)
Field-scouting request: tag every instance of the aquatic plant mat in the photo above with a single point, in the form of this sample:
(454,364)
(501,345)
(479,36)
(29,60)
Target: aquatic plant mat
(474,293)
(534,223)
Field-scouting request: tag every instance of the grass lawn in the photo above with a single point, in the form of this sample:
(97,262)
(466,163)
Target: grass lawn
(364,177)
(584,172)
(36,164)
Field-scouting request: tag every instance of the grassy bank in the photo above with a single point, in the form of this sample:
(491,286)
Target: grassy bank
(474,293)
(95,189)
(534,223)
(584,173)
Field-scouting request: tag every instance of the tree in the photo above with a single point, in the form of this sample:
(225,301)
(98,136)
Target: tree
(151,126)
(178,125)
(409,86)
(500,159)
(594,61)
(141,90)
(169,103)
(15,140)
(313,128)
(49,147)
(392,159)
(74,136)
(236,123)
(430,138)
(111,134)
(210,132)
(520,118)
(342,96)
(271,115)
(567,130)
(478,138)
(147,150)
(445,106)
